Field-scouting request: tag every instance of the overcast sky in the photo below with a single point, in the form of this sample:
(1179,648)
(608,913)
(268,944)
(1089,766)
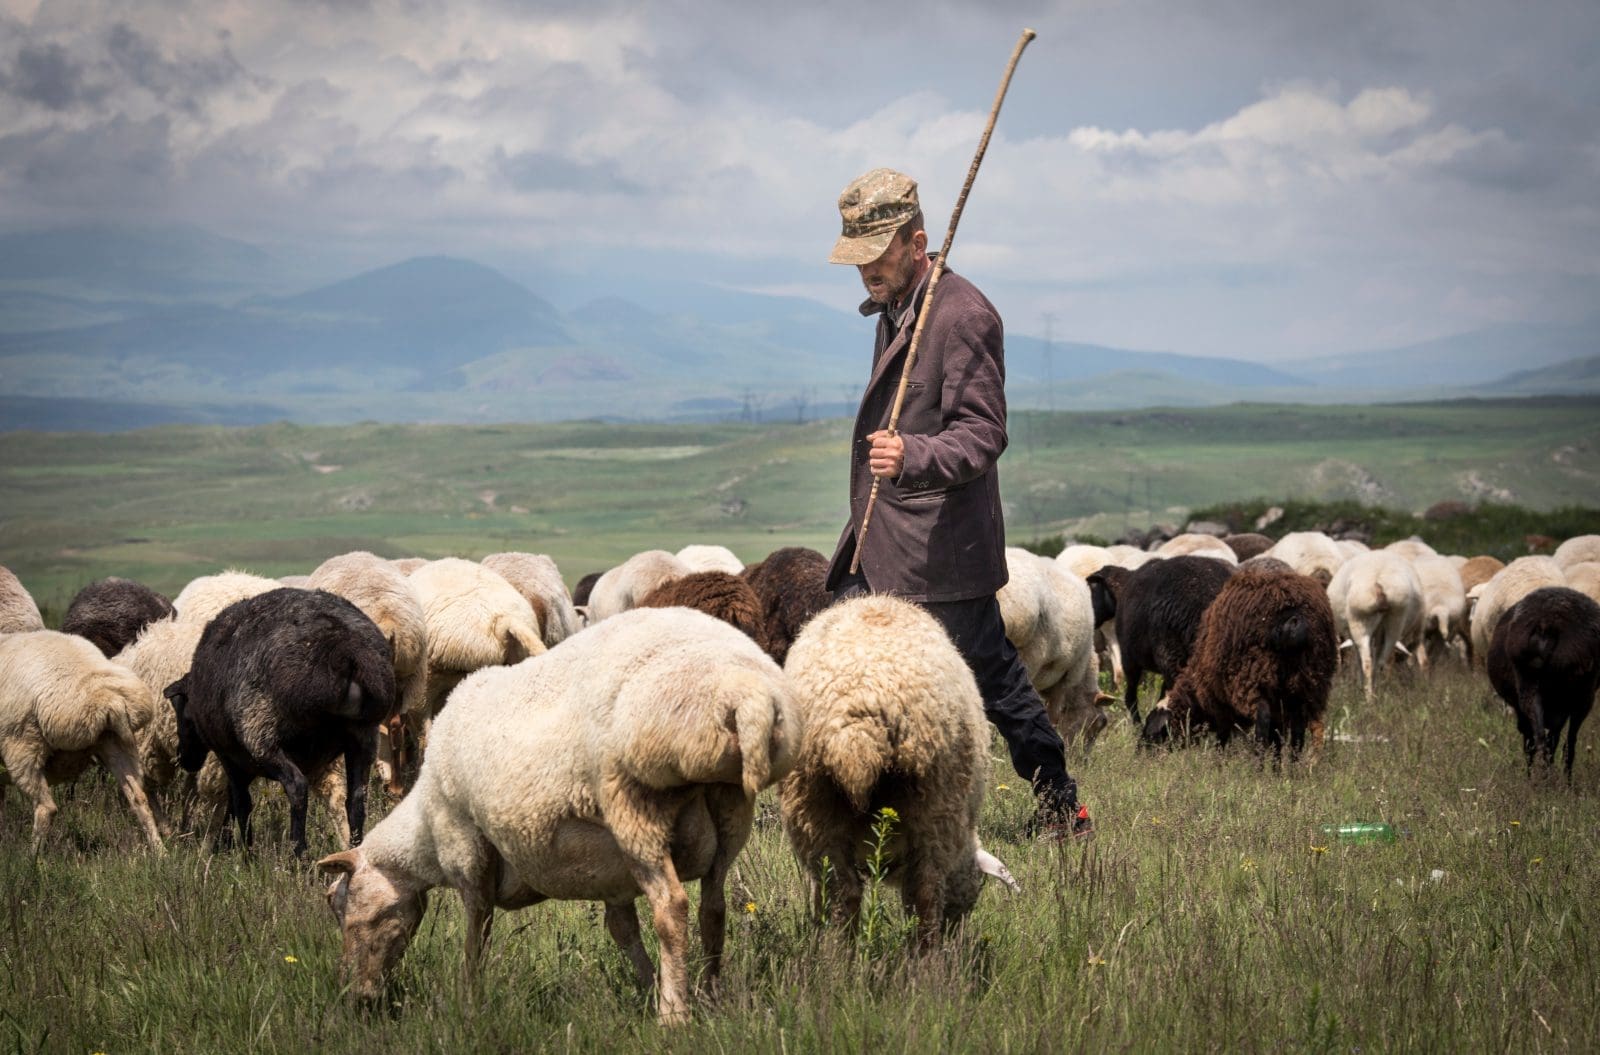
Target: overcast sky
(1259,178)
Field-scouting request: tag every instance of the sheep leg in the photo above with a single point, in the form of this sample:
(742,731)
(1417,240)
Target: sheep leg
(923,897)
(1363,640)
(25,766)
(622,923)
(239,806)
(1135,676)
(477,898)
(1529,738)
(1572,737)
(732,815)
(279,767)
(358,757)
(670,914)
(332,788)
(117,758)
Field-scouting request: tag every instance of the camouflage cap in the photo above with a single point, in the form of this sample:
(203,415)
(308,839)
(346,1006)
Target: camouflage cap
(873,208)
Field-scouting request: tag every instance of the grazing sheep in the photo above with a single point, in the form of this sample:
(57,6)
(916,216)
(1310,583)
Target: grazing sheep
(1309,553)
(161,655)
(710,558)
(536,577)
(1544,662)
(407,565)
(63,705)
(1158,609)
(204,598)
(718,594)
(1479,570)
(1585,578)
(893,722)
(792,585)
(621,588)
(282,684)
(18,612)
(1411,548)
(1249,544)
(1579,549)
(1264,660)
(1130,557)
(625,762)
(473,619)
(1377,600)
(1196,545)
(1083,560)
(1350,547)
(1444,603)
(1509,585)
(389,599)
(111,612)
(1049,619)
(1262,562)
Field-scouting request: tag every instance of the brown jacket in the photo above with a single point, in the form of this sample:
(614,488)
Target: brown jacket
(937,533)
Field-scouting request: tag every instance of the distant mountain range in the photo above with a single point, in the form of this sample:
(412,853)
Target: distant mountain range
(114,329)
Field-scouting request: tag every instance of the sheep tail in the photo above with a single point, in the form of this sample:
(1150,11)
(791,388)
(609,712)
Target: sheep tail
(526,637)
(857,755)
(1380,600)
(74,723)
(766,747)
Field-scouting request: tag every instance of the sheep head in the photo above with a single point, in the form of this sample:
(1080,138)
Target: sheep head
(192,749)
(378,909)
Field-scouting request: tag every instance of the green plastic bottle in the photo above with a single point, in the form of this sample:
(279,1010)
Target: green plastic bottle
(1362,832)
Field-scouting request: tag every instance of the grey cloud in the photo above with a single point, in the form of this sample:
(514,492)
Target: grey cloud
(540,171)
(184,82)
(118,164)
(48,75)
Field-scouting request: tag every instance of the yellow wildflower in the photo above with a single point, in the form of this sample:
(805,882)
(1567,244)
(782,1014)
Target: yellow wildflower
(291,959)
(1516,824)
(1002,787)
(1537,861)
(1318,849)
(888,813)
(750,906)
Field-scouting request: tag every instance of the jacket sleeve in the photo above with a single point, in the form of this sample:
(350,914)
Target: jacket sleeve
(973,402)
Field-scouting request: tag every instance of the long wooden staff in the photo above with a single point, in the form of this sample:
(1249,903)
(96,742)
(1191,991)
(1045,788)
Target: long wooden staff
(933,282)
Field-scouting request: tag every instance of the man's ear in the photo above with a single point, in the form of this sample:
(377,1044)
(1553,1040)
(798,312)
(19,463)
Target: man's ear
(919,241)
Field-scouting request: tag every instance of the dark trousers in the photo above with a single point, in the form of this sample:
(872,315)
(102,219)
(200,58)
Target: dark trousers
(1009,700)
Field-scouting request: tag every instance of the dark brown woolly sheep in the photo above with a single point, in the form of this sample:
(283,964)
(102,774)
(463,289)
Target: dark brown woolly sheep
(1544,661)
(716,593)
(111,612)
(1248,545)
(281,684)
(1264,659)
(585,586)
(1157,609)
(792,586)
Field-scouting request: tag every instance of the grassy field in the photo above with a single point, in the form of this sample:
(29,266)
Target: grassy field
(1209,913)
(164,505)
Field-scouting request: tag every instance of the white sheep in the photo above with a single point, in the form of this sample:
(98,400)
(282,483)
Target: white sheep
(18,612)
(204,598)
(1579,549)
(1412,548)
(159,656)
(1350,547)
(62,705)
(701,557)
(1050,620)
(1377,600)
(390,600)
(536,577)
(1444,601)
(624,586)
(473,619)
(1508,586)
(625,762)
(407,565)
(1192,544)
(1310,553)
(1130,557)
(894,730)
(1083,560)
(1585,578)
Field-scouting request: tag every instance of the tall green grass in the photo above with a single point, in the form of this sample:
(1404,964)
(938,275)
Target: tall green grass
(1209,913)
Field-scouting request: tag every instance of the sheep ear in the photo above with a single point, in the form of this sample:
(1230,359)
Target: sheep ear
(991,865)
(344,862)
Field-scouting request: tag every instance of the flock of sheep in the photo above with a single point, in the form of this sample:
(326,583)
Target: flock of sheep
(610,743)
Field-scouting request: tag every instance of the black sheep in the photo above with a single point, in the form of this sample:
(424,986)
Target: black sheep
(1544,661)
(1157,608)
(792,585)
(580,592)
(111,612)
(282,684)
